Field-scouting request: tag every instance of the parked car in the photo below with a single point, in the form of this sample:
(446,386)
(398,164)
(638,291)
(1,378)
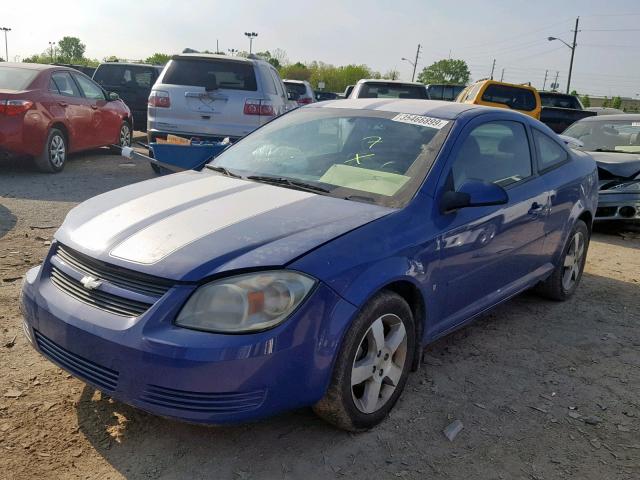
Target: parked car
(301,89)
(311,261)
(614,142)
(214,96)
(374,88)
(87,70)
(323,96)
(605,110)
(47,112)
(347,91)
(560,110)
(444,92)
(522,98)
(132,82)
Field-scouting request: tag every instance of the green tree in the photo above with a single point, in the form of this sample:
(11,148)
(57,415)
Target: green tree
(158,59)
(574,93)
(296,71)
(448,71)
(269,58)
(1,59)
(586,101)
(606,102)
(70,49)
(392,74)
(616,102)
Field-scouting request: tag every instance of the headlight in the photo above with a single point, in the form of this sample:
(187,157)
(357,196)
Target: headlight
(245,303)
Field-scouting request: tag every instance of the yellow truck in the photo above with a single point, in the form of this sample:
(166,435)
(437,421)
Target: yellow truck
(522,98)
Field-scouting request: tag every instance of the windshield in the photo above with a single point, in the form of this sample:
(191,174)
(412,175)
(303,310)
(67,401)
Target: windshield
(607,135)
(363,155)
(16,78)
(392,90)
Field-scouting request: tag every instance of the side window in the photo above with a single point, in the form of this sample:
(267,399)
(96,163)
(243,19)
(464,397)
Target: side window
(550,153)
(52,87)
(90,89)
(473,91)
(513,97)
(269,86)
(495,152)
(278,83)
(66,86)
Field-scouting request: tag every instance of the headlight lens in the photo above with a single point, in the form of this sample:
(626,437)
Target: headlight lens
(245,303)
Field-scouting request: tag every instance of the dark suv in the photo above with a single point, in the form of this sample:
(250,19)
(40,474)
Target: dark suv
(133,82)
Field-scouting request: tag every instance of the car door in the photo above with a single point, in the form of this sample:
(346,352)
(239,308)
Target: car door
(105,121)
(77,110)
(489,252)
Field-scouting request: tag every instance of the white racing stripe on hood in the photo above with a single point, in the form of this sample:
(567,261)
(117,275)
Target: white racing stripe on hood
(98,233)
(176,231)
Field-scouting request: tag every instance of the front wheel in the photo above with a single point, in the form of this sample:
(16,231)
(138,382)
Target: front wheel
(372,367)
(565,278)
(124,137)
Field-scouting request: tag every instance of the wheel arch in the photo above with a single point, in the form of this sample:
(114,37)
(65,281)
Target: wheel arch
(65,131)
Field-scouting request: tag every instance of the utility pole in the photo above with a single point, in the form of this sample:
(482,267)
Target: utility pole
(502,75)
(51,51)
(493,67)
(573,52)
(413,76)
(217,47)
(546,72)
(555,84)
(6,46)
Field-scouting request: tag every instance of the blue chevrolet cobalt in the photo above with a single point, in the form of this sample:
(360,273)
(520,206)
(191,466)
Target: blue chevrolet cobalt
(310,263)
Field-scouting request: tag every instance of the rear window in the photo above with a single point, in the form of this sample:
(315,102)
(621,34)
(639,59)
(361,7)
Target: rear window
(392,90)
(16,78)
(560,101)
(299,88)
(200,72)
(124,76)
(513,97)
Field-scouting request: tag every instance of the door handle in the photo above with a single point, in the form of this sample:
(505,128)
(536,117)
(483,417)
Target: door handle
(536,208)
(95,107)
(62,104)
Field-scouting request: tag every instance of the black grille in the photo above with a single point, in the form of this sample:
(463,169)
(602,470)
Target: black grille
(102,377)
(606,211)
(203,401)
(96,298)
(127,279)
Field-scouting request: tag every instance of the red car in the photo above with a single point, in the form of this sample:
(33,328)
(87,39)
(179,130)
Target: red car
(47,112)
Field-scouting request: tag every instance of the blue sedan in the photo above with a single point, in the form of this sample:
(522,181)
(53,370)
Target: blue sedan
(310,263)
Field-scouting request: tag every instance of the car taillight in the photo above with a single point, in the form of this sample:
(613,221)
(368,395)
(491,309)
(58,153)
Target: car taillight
(14,107)
(305,100)
(253,106)
(158,98)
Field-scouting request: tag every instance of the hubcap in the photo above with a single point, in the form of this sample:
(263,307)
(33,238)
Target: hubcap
(573,261)
(57,151)
(125,136)
(379,363)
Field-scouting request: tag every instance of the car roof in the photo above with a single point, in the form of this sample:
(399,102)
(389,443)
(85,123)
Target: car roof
(497,82)
(382,80)
(32,66)
(213,56)
(128,64)
(294,81)
(608,118)
(435,108)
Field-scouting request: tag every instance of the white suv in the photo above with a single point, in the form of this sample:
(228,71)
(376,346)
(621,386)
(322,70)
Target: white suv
(301,89)
(214,96)
(380,88)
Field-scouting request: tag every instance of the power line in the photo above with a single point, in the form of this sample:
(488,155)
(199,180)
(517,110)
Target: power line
(612,30)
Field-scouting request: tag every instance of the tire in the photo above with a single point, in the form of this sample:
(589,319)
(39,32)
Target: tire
(124,138)
(366,403)
(54,155)
(565,278)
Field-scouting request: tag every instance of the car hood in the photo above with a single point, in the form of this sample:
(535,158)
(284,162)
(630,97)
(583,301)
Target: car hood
(626,165)
(191,225)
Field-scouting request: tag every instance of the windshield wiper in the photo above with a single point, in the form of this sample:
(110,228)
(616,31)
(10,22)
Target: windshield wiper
(223,170)
(287,182)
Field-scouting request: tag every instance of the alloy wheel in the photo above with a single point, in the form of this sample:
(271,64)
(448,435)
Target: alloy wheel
(125,135)
(57,151)
(573,261)
(379,363)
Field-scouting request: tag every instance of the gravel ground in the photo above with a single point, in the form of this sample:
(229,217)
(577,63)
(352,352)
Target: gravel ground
(544,390)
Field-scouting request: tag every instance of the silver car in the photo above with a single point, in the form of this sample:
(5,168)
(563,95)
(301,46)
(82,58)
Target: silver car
(214,96)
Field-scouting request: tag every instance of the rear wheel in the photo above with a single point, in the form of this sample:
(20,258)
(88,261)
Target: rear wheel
(373,365)
(124,138)
(565,278)
(54,156)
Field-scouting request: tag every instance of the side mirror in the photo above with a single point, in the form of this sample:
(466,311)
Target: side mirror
(473,193)
(113,96)
(294,96)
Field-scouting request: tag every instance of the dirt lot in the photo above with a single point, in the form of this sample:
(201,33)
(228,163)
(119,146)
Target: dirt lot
(545,390)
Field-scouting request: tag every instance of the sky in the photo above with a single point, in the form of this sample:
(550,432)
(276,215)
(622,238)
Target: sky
(377,33)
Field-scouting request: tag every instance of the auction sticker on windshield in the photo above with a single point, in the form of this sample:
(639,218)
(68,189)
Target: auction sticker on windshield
(420,120)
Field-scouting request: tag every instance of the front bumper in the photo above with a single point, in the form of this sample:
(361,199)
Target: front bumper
(174,372)
(618,207)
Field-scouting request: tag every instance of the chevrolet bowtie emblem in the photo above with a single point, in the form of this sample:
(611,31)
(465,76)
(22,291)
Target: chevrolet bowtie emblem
(90,283)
